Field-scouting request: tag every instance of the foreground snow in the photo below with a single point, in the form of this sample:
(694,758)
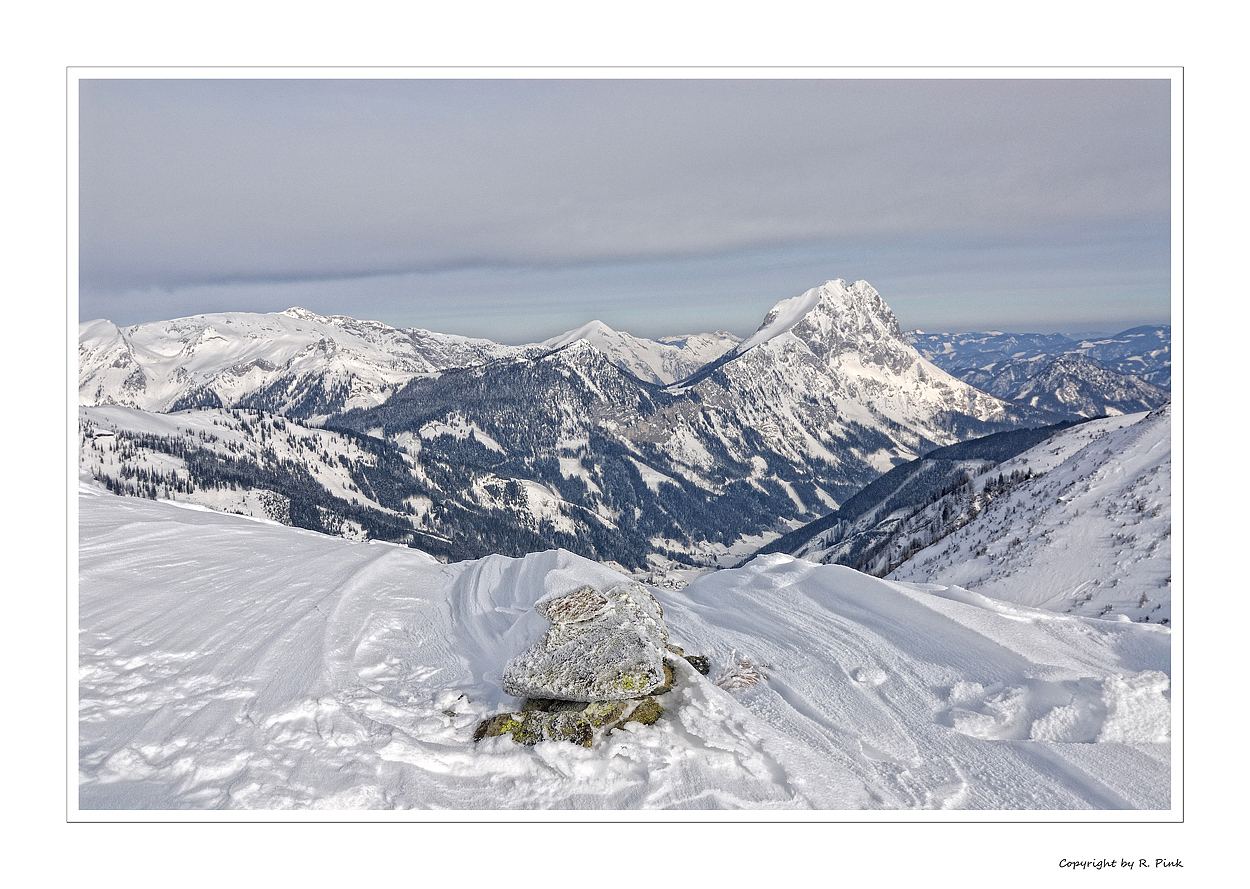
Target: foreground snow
(232,663)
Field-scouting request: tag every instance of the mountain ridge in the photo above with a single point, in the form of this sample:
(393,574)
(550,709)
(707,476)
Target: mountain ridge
(523,447)
(1144,351)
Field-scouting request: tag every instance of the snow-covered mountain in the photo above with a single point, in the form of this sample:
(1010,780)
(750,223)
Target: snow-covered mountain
(830,373)
(1143,352)
(820,401)
(1074,518)
(663,361)
(296,362)
(1089,533)
(1069,384)
(523,449)
(305,365)
(885,522)
(228,663)
(957,352)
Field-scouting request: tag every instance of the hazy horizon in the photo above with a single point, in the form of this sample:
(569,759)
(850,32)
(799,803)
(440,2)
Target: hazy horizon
(518,209)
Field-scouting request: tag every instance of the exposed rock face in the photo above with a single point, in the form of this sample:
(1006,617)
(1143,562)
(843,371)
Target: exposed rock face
(602,647)
(602,664)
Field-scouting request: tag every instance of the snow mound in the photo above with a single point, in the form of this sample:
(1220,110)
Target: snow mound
(227,663)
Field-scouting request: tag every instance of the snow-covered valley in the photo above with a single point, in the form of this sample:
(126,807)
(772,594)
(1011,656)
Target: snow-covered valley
(226,662)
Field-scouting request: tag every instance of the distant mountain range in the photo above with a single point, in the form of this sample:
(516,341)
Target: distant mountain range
(1142,352)
(1068,384)
(295,363)
(693,449)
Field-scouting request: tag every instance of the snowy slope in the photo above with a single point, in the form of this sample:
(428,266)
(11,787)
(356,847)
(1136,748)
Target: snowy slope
(117,448)
(1090,535)
(783,316)
(911,505)
(233,663)
(225,359)
(663,361)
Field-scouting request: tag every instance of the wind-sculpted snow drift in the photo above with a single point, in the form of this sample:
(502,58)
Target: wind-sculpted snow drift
(227,662)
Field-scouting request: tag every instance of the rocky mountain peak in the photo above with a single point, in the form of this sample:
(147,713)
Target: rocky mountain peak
(840,319)
(833,318)
(856,308)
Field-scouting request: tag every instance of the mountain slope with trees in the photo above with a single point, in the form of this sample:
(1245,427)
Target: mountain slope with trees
(519,449)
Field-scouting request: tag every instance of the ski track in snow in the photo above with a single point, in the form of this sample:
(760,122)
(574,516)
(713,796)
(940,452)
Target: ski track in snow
(228,663)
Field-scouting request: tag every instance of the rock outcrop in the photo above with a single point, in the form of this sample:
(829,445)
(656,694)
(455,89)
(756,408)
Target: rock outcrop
(600,648)
(602,664)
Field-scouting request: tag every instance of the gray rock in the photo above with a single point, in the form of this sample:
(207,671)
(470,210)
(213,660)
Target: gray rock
(602,647)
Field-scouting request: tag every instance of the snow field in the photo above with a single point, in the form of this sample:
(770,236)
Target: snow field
(664,361)
(227,663)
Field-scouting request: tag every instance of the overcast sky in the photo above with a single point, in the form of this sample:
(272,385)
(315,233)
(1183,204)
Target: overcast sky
(517,209)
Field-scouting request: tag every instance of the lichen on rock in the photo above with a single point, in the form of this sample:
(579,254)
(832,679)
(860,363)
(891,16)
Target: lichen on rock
(547,720)
(503,724)
(601,647)
(647,712)
(538,726)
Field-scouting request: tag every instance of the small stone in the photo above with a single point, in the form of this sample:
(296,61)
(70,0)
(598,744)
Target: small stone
(699,662)
(502,724)
(669,679)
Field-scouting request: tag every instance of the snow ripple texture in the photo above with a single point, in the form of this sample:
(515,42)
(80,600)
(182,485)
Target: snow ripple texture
(230,663)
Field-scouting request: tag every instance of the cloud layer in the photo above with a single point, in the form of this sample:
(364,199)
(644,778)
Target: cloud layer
(195,184)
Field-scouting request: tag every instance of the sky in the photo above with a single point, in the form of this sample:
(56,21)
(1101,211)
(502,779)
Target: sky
(516,209)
